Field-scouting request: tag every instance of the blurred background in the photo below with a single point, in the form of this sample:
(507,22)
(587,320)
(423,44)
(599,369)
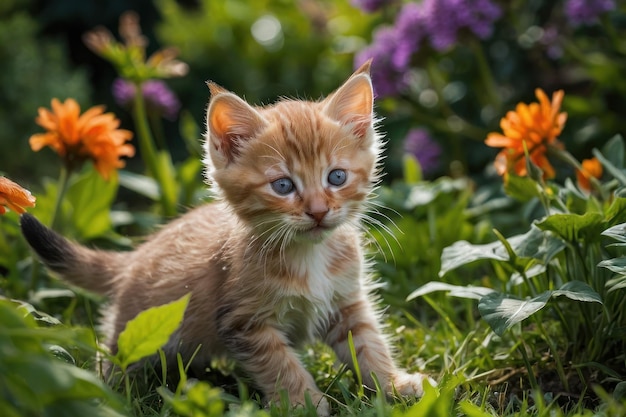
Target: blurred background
(445,72)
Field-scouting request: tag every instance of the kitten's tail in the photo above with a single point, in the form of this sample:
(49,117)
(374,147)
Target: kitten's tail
(93,270)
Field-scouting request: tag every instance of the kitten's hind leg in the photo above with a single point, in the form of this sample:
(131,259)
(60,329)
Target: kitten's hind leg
(372,350)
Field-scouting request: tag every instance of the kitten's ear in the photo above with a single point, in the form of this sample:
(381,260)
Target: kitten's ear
(352,104)
(230,121)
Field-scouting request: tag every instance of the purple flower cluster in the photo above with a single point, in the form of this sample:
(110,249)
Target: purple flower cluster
(370,6)
(159,98)
(584,12)
(427,152)
(445,18)
(438,21)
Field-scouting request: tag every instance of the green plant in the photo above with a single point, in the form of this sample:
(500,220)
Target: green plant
(561,263)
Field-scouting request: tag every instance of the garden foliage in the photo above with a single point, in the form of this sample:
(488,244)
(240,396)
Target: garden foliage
(504,269)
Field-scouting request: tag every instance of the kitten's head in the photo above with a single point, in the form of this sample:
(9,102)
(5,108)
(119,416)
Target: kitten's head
(295,169)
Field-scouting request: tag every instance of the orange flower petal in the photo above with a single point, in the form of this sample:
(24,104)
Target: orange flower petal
(92,135)
(532,126)
(14,197)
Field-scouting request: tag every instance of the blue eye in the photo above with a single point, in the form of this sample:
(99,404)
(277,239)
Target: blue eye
(337,177)
(282,186)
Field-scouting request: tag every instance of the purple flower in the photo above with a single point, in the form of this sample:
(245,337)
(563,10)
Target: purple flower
(427,152)
(387,79)
(443,19)
(409,34)
(370,6)
(159,98)
(585,12)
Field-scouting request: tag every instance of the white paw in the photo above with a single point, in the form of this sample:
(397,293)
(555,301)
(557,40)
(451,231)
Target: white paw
(410,384)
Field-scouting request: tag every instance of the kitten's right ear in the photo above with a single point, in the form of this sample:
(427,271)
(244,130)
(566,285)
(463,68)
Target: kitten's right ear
(230,121)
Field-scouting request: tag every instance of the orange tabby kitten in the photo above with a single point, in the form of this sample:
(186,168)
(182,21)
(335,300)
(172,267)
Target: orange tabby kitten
(276,261)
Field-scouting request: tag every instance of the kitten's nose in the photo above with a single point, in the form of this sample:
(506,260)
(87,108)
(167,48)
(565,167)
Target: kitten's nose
(318,216)
(317,209)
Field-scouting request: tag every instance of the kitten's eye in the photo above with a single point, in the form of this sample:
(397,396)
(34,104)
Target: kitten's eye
(337,177)
(283,186)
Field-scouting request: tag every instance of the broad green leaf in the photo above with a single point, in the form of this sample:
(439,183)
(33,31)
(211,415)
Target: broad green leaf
(169,186)
(617,232)
(617,283)
(424,193)
(578,291)
(616,211)
(617,265)
(149,331)
(468,291)
(572,227)
(537,244)
(534,244)
(462,253)
(141,184)
(501,311)
(91,198)
(52,381)
(614,150)
(522,188)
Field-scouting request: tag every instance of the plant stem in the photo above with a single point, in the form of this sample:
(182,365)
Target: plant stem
(531,375)
(63,183)
(148,151)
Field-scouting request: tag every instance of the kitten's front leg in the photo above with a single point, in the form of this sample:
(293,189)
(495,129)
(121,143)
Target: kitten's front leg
(264,354)
(372,350)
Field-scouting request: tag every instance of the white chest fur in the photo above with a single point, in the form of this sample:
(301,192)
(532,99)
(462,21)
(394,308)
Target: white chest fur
(308,304)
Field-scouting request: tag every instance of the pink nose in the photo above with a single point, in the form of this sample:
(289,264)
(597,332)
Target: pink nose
(318,216)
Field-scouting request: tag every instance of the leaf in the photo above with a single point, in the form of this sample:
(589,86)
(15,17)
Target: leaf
(468,291)
(617,232)
(502,311)
(614,151)
(615,284)
(169,185)
(617,265)
(91,198)
(149,331)
(573,227)
(616,211)
(462,252)
(578,291)
(141,184)
(534,244)
(522,188)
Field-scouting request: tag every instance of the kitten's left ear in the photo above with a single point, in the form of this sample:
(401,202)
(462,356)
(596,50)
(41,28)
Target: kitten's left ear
(352,104)
(230,121)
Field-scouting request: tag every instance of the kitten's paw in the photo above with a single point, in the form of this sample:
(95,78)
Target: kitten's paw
(410,384)
(323,408)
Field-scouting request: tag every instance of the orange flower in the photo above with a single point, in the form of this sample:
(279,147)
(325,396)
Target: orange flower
(591,168)
(76,137)
(14,197)
(536,125)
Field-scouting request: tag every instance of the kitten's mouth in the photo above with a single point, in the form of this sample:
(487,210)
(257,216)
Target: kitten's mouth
(318,232)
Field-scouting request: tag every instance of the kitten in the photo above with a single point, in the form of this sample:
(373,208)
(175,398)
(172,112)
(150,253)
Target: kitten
(276,261)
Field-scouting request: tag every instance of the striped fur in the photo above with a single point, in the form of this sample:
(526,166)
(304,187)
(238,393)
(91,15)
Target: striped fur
(267,272)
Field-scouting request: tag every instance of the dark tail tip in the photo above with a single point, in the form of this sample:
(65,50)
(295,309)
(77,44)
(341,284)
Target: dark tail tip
(53,249)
